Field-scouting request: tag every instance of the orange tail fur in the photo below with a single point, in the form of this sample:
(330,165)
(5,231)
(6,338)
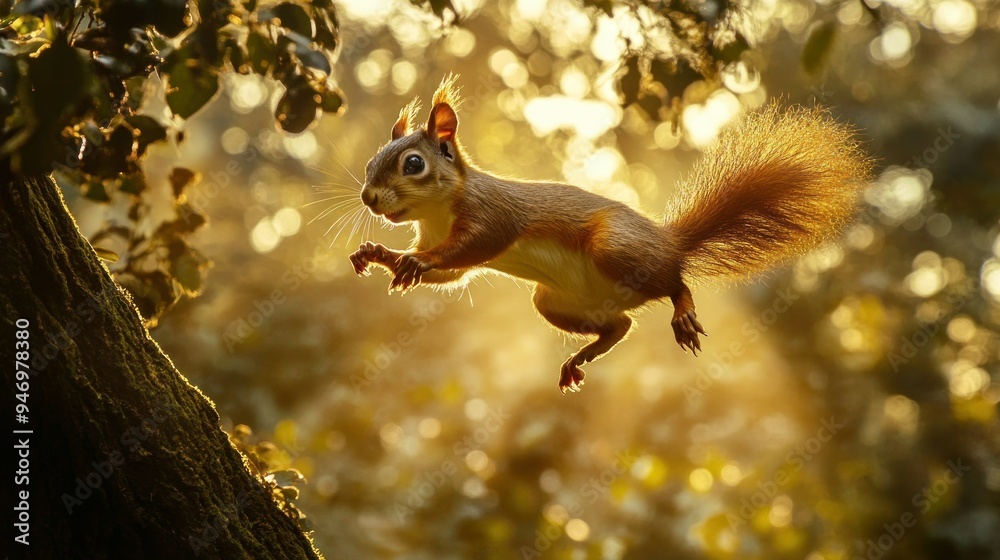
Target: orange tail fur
(774,186)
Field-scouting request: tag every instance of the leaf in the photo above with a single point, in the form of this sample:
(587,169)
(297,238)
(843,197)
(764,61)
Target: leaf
(297,108)
(188,270)
(132,184)
(106,254)
(9,75)
(290,16)
(190,87)
(262,53)
(818,46)
(326,32)
(440,6)
(167,16)
(146,130)
(286,477)
(136,88)
(95,190)
(60,78)
(180,178)
(333,103)
(300,45)
(603,5)
(630,82)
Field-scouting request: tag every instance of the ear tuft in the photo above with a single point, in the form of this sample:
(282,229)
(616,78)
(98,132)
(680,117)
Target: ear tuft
(448,91)
(407,116)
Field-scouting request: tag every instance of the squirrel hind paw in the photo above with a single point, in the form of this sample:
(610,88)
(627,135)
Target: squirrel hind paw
(571,377)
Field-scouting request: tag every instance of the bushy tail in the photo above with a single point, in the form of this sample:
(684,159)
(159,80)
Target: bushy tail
(775,185)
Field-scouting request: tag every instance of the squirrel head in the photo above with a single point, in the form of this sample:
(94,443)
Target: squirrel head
(419,172)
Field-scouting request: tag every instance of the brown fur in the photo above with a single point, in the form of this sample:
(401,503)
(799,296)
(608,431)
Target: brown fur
(775,185)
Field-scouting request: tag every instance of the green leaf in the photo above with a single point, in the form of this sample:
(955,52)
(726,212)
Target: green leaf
(94,190)
(188,270)
(190,87)
(297,108)
(286,477)
(136,88)
(106,254)
(326,32)
(818,47)
(262,53)
(180,179)
(146,130)
(333,103)
(9,75)
(291,16)
(132,184)
(301,46)
(167,16)
(440,6)
(60,78)
(603,5)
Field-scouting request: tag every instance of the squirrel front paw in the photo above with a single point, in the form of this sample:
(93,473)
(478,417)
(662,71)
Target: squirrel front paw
(409,269)
(369,253)
(686,329)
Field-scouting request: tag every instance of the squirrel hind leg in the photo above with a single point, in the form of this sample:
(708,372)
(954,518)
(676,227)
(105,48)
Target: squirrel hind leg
(561,312)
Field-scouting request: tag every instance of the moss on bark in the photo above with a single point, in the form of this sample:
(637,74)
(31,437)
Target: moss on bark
(127,457)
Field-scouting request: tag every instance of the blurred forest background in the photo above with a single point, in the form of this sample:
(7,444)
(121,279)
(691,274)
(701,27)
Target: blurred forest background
(845,407)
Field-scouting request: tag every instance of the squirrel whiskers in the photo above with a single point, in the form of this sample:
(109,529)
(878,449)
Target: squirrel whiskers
(775,185)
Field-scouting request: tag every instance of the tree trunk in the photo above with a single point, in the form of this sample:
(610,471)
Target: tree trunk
(125,458)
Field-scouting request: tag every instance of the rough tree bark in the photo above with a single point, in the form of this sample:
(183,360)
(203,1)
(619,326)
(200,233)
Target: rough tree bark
(127,459)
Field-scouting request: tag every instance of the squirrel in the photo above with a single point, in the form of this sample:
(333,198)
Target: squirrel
(773,186)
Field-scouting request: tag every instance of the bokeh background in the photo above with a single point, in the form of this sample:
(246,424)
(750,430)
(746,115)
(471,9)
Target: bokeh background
(844,407)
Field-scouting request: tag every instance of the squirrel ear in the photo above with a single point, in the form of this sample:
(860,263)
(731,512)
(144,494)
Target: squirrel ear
(407,115)
(443,123)
(399,129)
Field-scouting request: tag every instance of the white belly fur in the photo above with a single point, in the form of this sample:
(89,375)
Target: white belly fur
(569,272)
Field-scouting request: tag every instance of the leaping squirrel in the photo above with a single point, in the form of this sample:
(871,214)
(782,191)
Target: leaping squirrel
(773,186)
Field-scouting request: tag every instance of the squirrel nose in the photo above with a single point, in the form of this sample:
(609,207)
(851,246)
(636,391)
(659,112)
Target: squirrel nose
(369,197)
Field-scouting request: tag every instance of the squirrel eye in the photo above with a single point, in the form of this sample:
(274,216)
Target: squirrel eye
(414,164)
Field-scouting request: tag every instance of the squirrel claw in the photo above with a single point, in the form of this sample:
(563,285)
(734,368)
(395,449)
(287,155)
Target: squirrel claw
(686,331)
(368,253)
(571,376)
(409,269)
